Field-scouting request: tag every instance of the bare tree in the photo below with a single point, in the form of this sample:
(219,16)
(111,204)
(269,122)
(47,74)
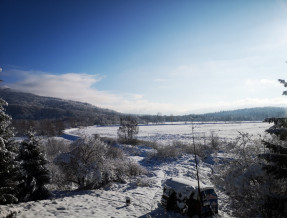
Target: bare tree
(159,118)
(128,130)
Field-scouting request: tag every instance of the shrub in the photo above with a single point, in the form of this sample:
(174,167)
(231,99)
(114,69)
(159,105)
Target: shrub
(242,178)
(167,151)
(173,149)
(134,169)
(54,146)
(91,163)
(176,149)
(143,182)
(114,153)
(108,140)
(214,141)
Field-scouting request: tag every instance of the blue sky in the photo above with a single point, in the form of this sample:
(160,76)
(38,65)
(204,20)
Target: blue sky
(147,56)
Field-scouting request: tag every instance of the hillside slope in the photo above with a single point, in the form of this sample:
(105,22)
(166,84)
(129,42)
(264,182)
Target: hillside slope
(50,116)
(33,107)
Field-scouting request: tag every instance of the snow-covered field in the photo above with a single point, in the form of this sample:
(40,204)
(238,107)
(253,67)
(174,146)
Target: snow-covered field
(144,191)
(181,131)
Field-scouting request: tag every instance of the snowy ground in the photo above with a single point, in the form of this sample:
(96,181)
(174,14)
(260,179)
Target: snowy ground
(181,131)
(145,191)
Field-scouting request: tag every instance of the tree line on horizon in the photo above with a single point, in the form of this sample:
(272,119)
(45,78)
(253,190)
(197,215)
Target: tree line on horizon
(51,115)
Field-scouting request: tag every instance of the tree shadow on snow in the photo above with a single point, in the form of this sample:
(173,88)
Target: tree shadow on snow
(61,194)
(157,162)
(160,212)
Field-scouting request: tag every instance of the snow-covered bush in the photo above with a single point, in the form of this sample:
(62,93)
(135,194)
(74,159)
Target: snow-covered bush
(173,149)
(166,151)
(176,149)
(242,178)
(115,153)
(214,141)
(143,182)
(54,146)
(91,163)
(208,146)
(134,169)
(203,150)
(108,140)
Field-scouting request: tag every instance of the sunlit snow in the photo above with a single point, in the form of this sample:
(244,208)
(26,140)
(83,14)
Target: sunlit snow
(145,191)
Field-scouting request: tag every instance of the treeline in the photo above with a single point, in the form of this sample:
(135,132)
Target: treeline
(49,116)
(53,127)
(248,114)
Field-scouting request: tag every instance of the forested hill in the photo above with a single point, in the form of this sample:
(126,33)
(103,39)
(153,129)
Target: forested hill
(53,114)
(29,106)
(248,114)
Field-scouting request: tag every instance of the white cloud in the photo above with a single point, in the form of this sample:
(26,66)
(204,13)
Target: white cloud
(68,86)
(262,82)
(263,87)
(269,82)
(239,67)
(81,87)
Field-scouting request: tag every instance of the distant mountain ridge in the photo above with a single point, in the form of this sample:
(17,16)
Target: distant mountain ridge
(246,114)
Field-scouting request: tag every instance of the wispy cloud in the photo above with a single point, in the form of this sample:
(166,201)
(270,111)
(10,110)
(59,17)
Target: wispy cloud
(80,87)
(83,87)
(263,86)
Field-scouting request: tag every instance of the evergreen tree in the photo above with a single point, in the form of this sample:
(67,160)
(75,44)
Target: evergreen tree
(9,168)
(8,175)
(6,132)
(36,174)
(276,203)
